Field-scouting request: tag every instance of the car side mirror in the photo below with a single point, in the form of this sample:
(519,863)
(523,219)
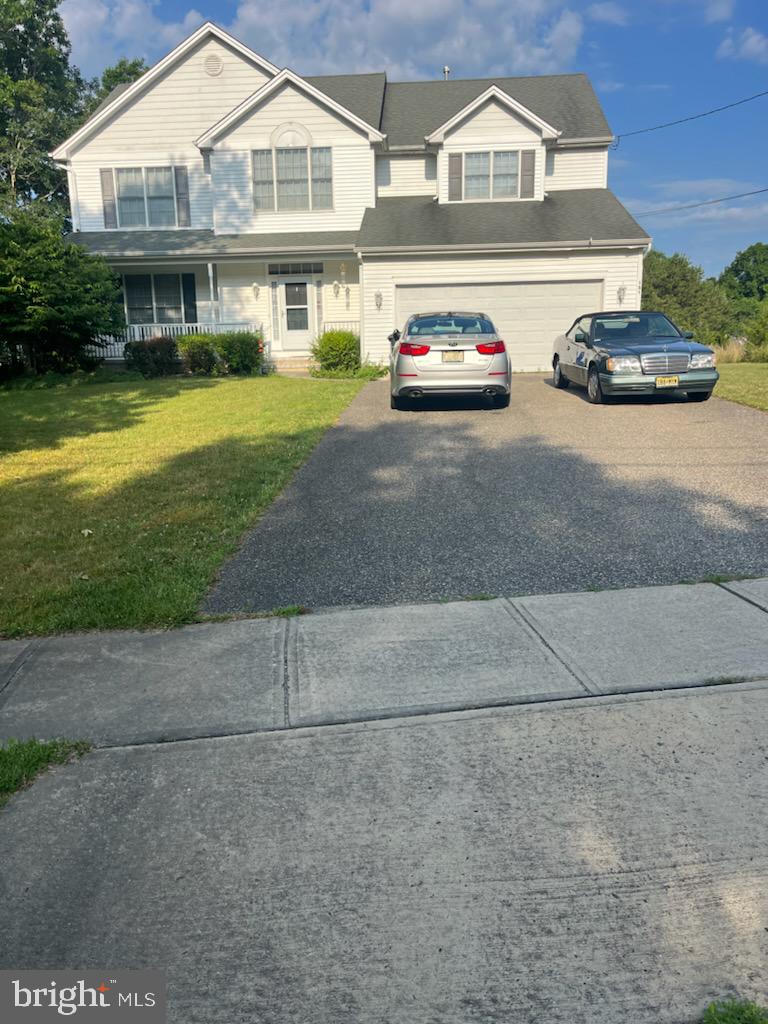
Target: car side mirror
(394,336)
(581,338)
(687,334)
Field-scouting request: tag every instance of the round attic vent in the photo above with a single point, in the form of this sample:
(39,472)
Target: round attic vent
(213,65)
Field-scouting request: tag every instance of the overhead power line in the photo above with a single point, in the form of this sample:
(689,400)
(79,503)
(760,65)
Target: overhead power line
(693,117)
(706,202)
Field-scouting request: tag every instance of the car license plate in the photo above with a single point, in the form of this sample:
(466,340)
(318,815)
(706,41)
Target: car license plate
(667,382)
(453,357)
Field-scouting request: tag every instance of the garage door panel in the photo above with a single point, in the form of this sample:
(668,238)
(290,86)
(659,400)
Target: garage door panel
(528,315)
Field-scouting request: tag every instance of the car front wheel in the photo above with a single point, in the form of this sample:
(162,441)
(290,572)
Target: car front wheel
(594,390)
(558,377)
(699,396)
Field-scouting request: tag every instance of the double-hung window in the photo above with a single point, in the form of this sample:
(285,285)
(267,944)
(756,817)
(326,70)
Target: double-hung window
(493,174)
(294,178)
(139,197)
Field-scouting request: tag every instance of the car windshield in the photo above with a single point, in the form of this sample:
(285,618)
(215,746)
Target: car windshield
(450,324)
(634,325)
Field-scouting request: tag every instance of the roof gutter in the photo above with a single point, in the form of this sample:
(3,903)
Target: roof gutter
(587,243)
(293,250)
(593,140)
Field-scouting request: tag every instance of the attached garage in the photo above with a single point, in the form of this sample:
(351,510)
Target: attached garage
(528,315)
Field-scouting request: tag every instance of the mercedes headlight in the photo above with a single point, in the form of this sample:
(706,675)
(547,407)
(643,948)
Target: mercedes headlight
(623,364)
(703,360)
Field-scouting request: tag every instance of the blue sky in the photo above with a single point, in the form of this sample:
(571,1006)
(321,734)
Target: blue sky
(650,62)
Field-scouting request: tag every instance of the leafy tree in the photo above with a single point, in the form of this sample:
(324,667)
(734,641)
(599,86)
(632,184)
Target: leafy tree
(124,72)
(757,334)
(747,274)
(55,298)
(673,285)
(41,99)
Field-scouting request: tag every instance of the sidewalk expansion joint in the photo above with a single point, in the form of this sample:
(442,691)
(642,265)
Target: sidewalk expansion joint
(17,665)
(582,699)
(520,615)
(743,597)
(288,636)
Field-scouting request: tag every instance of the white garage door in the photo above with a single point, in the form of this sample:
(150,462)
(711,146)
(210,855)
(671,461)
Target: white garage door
(528,316)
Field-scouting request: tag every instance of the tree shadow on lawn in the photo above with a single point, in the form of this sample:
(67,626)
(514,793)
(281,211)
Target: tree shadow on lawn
(393,513)
(40,419)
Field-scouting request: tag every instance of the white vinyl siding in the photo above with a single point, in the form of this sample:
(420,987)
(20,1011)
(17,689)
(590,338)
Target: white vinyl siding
(344,177)
(577,168)
(406,175)
(615,269)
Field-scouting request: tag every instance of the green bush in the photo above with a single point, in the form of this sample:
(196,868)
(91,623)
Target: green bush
(368,371)
(198,353)
(337,350)
(240,351)
(756,349)
(152,357)
(735,1011)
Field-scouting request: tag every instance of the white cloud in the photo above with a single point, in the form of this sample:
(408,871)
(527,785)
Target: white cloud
(405,38)
(718,10)
(607,85)
(609,13)
(749,44)
(102,31)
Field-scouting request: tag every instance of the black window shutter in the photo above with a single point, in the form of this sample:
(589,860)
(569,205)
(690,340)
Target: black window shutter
(455,174)
(108,197)
(527,173)
(190,298)
(183,218)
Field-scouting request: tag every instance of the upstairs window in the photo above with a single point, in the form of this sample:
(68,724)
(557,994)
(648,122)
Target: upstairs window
(496,174)
(295,178)
(139,197)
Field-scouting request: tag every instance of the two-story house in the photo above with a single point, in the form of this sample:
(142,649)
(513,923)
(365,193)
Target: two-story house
(226,191)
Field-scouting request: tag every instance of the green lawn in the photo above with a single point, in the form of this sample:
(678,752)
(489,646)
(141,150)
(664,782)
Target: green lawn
(118,501)
(746,383)
(20,762)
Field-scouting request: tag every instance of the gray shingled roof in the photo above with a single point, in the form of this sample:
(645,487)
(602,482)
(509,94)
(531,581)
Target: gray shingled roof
(575,215)
(567,102)
(204,243)
(361,94)
(111,95)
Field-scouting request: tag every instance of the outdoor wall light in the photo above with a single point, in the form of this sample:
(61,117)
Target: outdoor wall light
(621,293)
(378,298)
(256,290)
(336,289)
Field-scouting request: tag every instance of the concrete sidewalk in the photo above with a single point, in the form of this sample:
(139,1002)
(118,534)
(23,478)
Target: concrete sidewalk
(255,675)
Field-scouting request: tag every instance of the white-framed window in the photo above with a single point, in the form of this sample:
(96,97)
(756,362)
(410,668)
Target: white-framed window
(140,197)
(160,298)
(491,174)
(292,178)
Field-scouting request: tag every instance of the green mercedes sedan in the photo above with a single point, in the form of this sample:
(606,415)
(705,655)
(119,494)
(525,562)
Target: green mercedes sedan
(640,353)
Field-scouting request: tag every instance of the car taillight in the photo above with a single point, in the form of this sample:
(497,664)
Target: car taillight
(491,348)
(409,348)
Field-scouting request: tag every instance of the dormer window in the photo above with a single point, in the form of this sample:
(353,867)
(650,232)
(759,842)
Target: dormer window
(495,174)
(293,178)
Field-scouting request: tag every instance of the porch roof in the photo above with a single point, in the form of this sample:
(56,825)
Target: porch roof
(205,244)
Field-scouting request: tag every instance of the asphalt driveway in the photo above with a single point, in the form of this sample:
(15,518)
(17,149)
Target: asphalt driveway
(550,495)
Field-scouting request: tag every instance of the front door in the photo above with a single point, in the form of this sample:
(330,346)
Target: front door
(297,316)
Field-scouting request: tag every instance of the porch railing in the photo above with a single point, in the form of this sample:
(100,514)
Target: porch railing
(342,325)
(112,345)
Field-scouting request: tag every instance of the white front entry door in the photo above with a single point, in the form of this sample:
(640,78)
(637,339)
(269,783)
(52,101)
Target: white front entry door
(297,327)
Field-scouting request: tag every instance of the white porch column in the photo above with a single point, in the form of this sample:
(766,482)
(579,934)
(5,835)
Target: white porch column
(213,293)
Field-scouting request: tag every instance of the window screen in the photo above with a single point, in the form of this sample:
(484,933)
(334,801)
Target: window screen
(477,179)
(292,179)
(505,176)
(168,298)
(263,184)
(322,179)
(138,298)
(130,197)
(161,204)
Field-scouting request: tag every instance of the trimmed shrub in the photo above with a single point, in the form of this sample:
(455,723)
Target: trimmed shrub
(336,351)
(152,357)
(735,1011)
(240,351)
(367,371)
(198,353)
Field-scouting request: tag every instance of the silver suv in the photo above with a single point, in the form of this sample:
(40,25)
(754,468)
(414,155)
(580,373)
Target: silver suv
(449,353)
